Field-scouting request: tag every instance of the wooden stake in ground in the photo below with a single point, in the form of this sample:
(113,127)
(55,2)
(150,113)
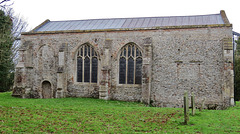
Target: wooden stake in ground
(186,108)
(202,105)
(193,104)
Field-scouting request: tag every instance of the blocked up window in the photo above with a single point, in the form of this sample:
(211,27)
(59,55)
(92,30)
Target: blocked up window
(130,65)
(87,64)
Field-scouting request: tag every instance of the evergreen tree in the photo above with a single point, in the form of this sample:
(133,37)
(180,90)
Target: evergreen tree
(6,62)
(237,72)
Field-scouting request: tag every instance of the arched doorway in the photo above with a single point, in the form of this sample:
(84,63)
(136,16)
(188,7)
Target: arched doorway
(46,90)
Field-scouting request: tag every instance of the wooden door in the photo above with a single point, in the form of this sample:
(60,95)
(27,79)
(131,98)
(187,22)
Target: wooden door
(46,90)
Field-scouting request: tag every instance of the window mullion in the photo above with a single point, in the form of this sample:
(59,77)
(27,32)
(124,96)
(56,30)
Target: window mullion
(126,66)
(90,57)
(83,63)
(134,70)
(134,58)
(126,70)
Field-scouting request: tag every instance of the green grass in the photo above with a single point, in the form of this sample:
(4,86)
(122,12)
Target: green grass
(85,115)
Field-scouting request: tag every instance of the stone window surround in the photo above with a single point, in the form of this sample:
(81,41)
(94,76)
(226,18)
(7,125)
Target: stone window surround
(118,63)
(99,66)
(75,66)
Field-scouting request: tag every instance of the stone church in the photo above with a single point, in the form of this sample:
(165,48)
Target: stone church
(150,59)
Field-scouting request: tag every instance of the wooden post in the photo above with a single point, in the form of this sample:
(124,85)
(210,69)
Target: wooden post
(193,104)
(186,108)
(202,104)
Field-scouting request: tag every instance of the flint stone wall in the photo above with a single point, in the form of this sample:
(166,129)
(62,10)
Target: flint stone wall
(178,59)
(189,60)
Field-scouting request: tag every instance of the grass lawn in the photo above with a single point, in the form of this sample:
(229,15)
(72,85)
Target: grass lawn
(85,115)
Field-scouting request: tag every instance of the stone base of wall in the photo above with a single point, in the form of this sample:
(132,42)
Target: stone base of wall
(94,93)
(25,93)
(207,105)
(83,91)
(17,92)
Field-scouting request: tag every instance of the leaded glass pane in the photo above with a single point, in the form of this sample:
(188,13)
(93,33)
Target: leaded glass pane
(121,54)
(137,52)
(122,71)
(81,51)
(133,51)
(88,50)
(129,50)
(94,69)
(86,69)
(79,69)
(85,50)
(125,51)
(92,51)
(138,73)
(130,71)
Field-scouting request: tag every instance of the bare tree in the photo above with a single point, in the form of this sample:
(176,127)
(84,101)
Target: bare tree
(18,26)
(5,3)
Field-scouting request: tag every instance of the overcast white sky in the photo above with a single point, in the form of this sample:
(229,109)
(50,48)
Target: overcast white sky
(36,11)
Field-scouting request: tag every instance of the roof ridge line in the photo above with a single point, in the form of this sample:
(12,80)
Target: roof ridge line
(136,22)
(135,18)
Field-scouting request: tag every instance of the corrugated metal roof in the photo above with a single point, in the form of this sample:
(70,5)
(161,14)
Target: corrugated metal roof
(122,23)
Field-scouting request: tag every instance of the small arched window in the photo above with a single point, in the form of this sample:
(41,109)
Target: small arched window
(87,64)
(130,65)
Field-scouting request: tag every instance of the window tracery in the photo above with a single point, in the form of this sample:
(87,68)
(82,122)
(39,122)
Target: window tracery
(87,64)
(130,65)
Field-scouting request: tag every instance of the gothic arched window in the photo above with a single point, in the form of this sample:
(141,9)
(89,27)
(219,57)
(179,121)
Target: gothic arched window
(87,64)
(130,65)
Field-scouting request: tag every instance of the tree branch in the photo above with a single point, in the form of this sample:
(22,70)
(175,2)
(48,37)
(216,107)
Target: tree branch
(4,1)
